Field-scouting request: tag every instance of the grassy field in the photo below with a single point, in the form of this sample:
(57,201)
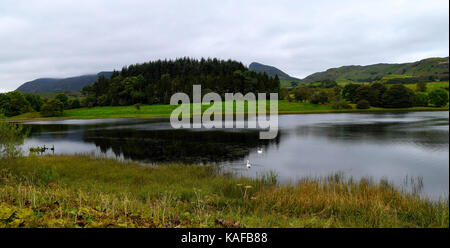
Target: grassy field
(430,86)
(164,111)
(80,191)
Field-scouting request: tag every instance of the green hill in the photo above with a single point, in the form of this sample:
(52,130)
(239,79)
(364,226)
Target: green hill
(430,69)
(42,85)
(271,71)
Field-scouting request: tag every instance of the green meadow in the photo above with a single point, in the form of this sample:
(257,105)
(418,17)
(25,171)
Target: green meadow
(165,110)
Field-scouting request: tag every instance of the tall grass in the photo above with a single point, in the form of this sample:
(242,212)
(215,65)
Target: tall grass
(82,191)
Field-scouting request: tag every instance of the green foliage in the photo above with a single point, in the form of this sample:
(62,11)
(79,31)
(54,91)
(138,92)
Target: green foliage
(155,82)
(421,99)
(421,86)
(438,97)
(137,106)
(340,103)
(319,97)
(75,103)
(363,104)
(398,96)
(64,99)
(51,108)
(365,92)
(349,92)
(35,101)
(14,103)
(302,93)
(378,90)
(284,92)
(11,135)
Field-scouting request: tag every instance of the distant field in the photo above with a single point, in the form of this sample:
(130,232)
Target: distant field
(430,86)
(164,111)
(288,83)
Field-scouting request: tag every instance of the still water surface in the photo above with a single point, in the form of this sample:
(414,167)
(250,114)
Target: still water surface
(389,145)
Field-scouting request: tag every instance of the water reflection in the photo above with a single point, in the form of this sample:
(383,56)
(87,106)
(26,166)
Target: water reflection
(389,146)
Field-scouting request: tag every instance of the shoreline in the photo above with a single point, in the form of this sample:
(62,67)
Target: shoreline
(167,116)
(56,191)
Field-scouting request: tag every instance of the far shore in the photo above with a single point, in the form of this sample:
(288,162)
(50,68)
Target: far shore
(164,111)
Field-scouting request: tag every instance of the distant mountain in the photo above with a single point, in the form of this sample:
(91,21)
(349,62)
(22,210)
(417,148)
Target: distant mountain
(41,85)
(432,68)
(271,71)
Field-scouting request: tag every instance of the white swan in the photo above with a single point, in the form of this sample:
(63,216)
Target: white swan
(248,165)
(260,151)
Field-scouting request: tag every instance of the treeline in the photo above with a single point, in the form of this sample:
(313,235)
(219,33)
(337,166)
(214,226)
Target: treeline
(15,103)
(155,82)
(366,95)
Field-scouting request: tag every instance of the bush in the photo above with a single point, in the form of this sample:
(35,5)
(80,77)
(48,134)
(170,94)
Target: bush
(421,86)
(340,103)
(302,93)
(349,92)
(398,96)
(284,92)
(363,104)
(53,107)
(319,97)
(64,99)
(365,92)
(438,97)
(75,104)
(138,106)
(35,101)
(14,103)
(420,99)
(11,136)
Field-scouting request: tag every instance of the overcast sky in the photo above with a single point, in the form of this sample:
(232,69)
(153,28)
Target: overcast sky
(68,38)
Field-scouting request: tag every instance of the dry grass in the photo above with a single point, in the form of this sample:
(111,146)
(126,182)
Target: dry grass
(80,191)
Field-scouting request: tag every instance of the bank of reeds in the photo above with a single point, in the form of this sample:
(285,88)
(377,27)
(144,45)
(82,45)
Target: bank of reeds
(81,191)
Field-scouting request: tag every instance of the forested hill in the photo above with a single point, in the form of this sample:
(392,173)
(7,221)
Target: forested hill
(429,69)
(157,81)
(60,84)
(271,71)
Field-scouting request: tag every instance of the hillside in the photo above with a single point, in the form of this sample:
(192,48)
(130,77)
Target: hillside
(431,69)
(271,71)
(41,85)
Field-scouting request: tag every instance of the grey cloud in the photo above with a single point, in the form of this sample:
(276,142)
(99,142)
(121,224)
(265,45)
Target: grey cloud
(67,38)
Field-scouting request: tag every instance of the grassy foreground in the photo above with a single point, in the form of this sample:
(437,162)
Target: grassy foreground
(80,191)
(164,111)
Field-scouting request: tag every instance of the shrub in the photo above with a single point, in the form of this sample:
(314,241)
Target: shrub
(421,86)
(64,99)
(438,97)
(302,93)
(378,90)
(318,97)
(284,92)
(420,99)
(35,101)
(14,103)
(363,104)
(340,103)
(365,92)
(53,107)
(349,92)
(138,106)
(75,104)
(11,136)
(398,96)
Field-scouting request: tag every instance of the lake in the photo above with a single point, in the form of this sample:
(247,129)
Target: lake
(399,147)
